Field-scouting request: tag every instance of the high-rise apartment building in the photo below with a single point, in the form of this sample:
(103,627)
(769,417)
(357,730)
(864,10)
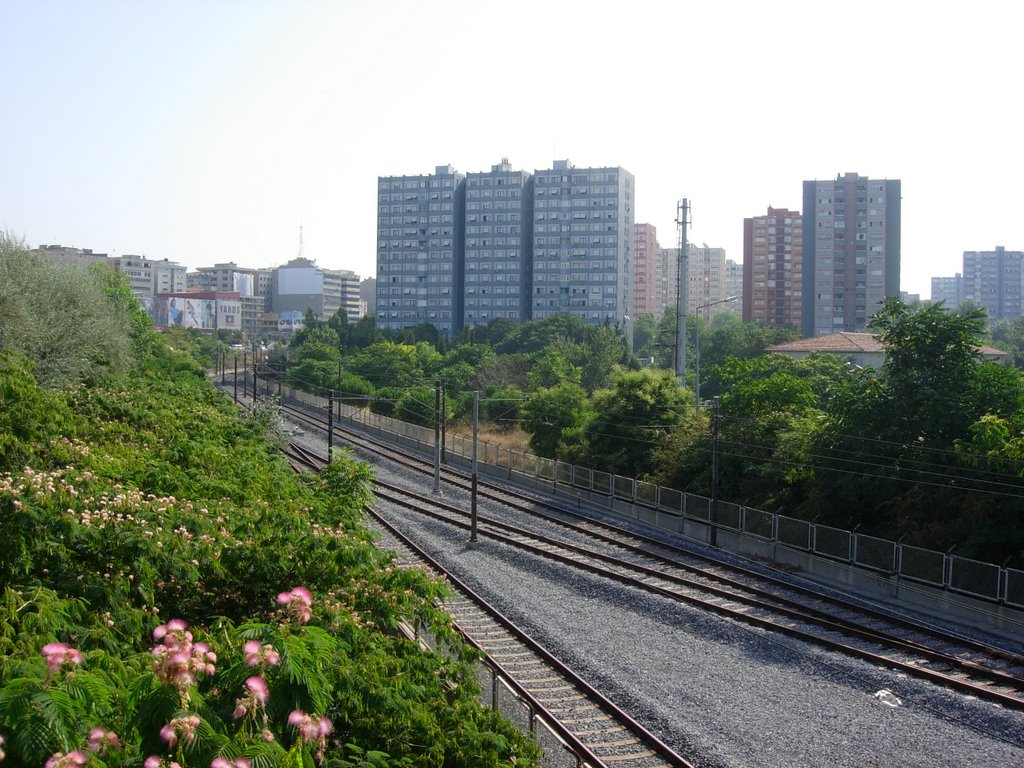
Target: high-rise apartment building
(772,268)
(993,280)
(734,284)
(498,244)
(419,250)
(583,244)
(949,290)
(666,290)
(851,251)
(705,272)
(645,272)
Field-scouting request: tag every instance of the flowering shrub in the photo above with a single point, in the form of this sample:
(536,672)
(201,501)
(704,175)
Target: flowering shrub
(143,550)
(298,603)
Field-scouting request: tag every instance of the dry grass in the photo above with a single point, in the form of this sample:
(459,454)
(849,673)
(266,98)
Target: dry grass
(515,439)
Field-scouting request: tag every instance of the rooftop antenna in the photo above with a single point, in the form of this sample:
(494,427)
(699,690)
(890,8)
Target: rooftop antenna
(300,241)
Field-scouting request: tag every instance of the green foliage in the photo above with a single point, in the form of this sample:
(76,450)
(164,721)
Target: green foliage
(354,389)
(499,405)
(29,416)
(645,336)
(552,367)
(387,364)
(75,324)
(550,413)
(417,406)
(606,348)
(536,335)
(730,338)
(631,420)
(163,502)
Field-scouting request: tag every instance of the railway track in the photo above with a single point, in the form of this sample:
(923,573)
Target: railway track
(585,722)
(945,658)
(592,727)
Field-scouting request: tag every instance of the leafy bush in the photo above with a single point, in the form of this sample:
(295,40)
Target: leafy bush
(160,509)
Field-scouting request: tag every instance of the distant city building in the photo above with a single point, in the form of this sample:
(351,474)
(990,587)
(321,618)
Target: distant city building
(583,244)
(253,310)
(949,290)
(666,288)
(706,282)
(645,271)
(734,285)
(296,287)
(341,292)
(169,277)
(147,277)
(265,284)
(79,257)
(851,251)
(772,268)
(368,297)
(419,251)
(224,277)
(910,298)
(455,249)
(498,245)
(993,280)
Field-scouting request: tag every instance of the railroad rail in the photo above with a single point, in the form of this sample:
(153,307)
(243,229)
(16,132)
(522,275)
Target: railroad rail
(918,649)
(590,726)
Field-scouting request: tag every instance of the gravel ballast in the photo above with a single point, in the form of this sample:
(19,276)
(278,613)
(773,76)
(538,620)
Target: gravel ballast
(719,692)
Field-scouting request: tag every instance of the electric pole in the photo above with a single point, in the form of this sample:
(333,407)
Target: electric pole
(682,221)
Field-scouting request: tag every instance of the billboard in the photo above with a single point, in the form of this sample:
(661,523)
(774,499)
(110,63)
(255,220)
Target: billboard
(229,314)
(187,312)
(199,313)
(287,322)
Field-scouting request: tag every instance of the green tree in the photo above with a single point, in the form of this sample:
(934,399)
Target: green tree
(891,465)
(606,348)
(631,419)
(1008,335)
(729,337)
(535,335)
(552,366)
(38,298)
(386,363)
(549,412)
(645,335)
(363,333)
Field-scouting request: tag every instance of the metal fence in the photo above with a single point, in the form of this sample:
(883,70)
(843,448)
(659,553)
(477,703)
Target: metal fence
(985,581)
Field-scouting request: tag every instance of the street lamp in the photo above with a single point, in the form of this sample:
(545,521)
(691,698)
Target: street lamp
(697,339)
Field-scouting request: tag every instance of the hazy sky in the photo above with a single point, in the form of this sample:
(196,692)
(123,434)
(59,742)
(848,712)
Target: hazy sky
(205,131)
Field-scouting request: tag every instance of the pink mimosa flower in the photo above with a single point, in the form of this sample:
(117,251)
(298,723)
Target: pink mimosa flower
(100,739)
(58,655)
(258,688)
(298,602)
(70,760)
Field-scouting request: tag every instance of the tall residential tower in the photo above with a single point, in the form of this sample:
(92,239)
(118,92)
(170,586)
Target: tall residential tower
(851,251)
(994,279)
(772,268)
(583,243)
(419,251)
(498,245)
